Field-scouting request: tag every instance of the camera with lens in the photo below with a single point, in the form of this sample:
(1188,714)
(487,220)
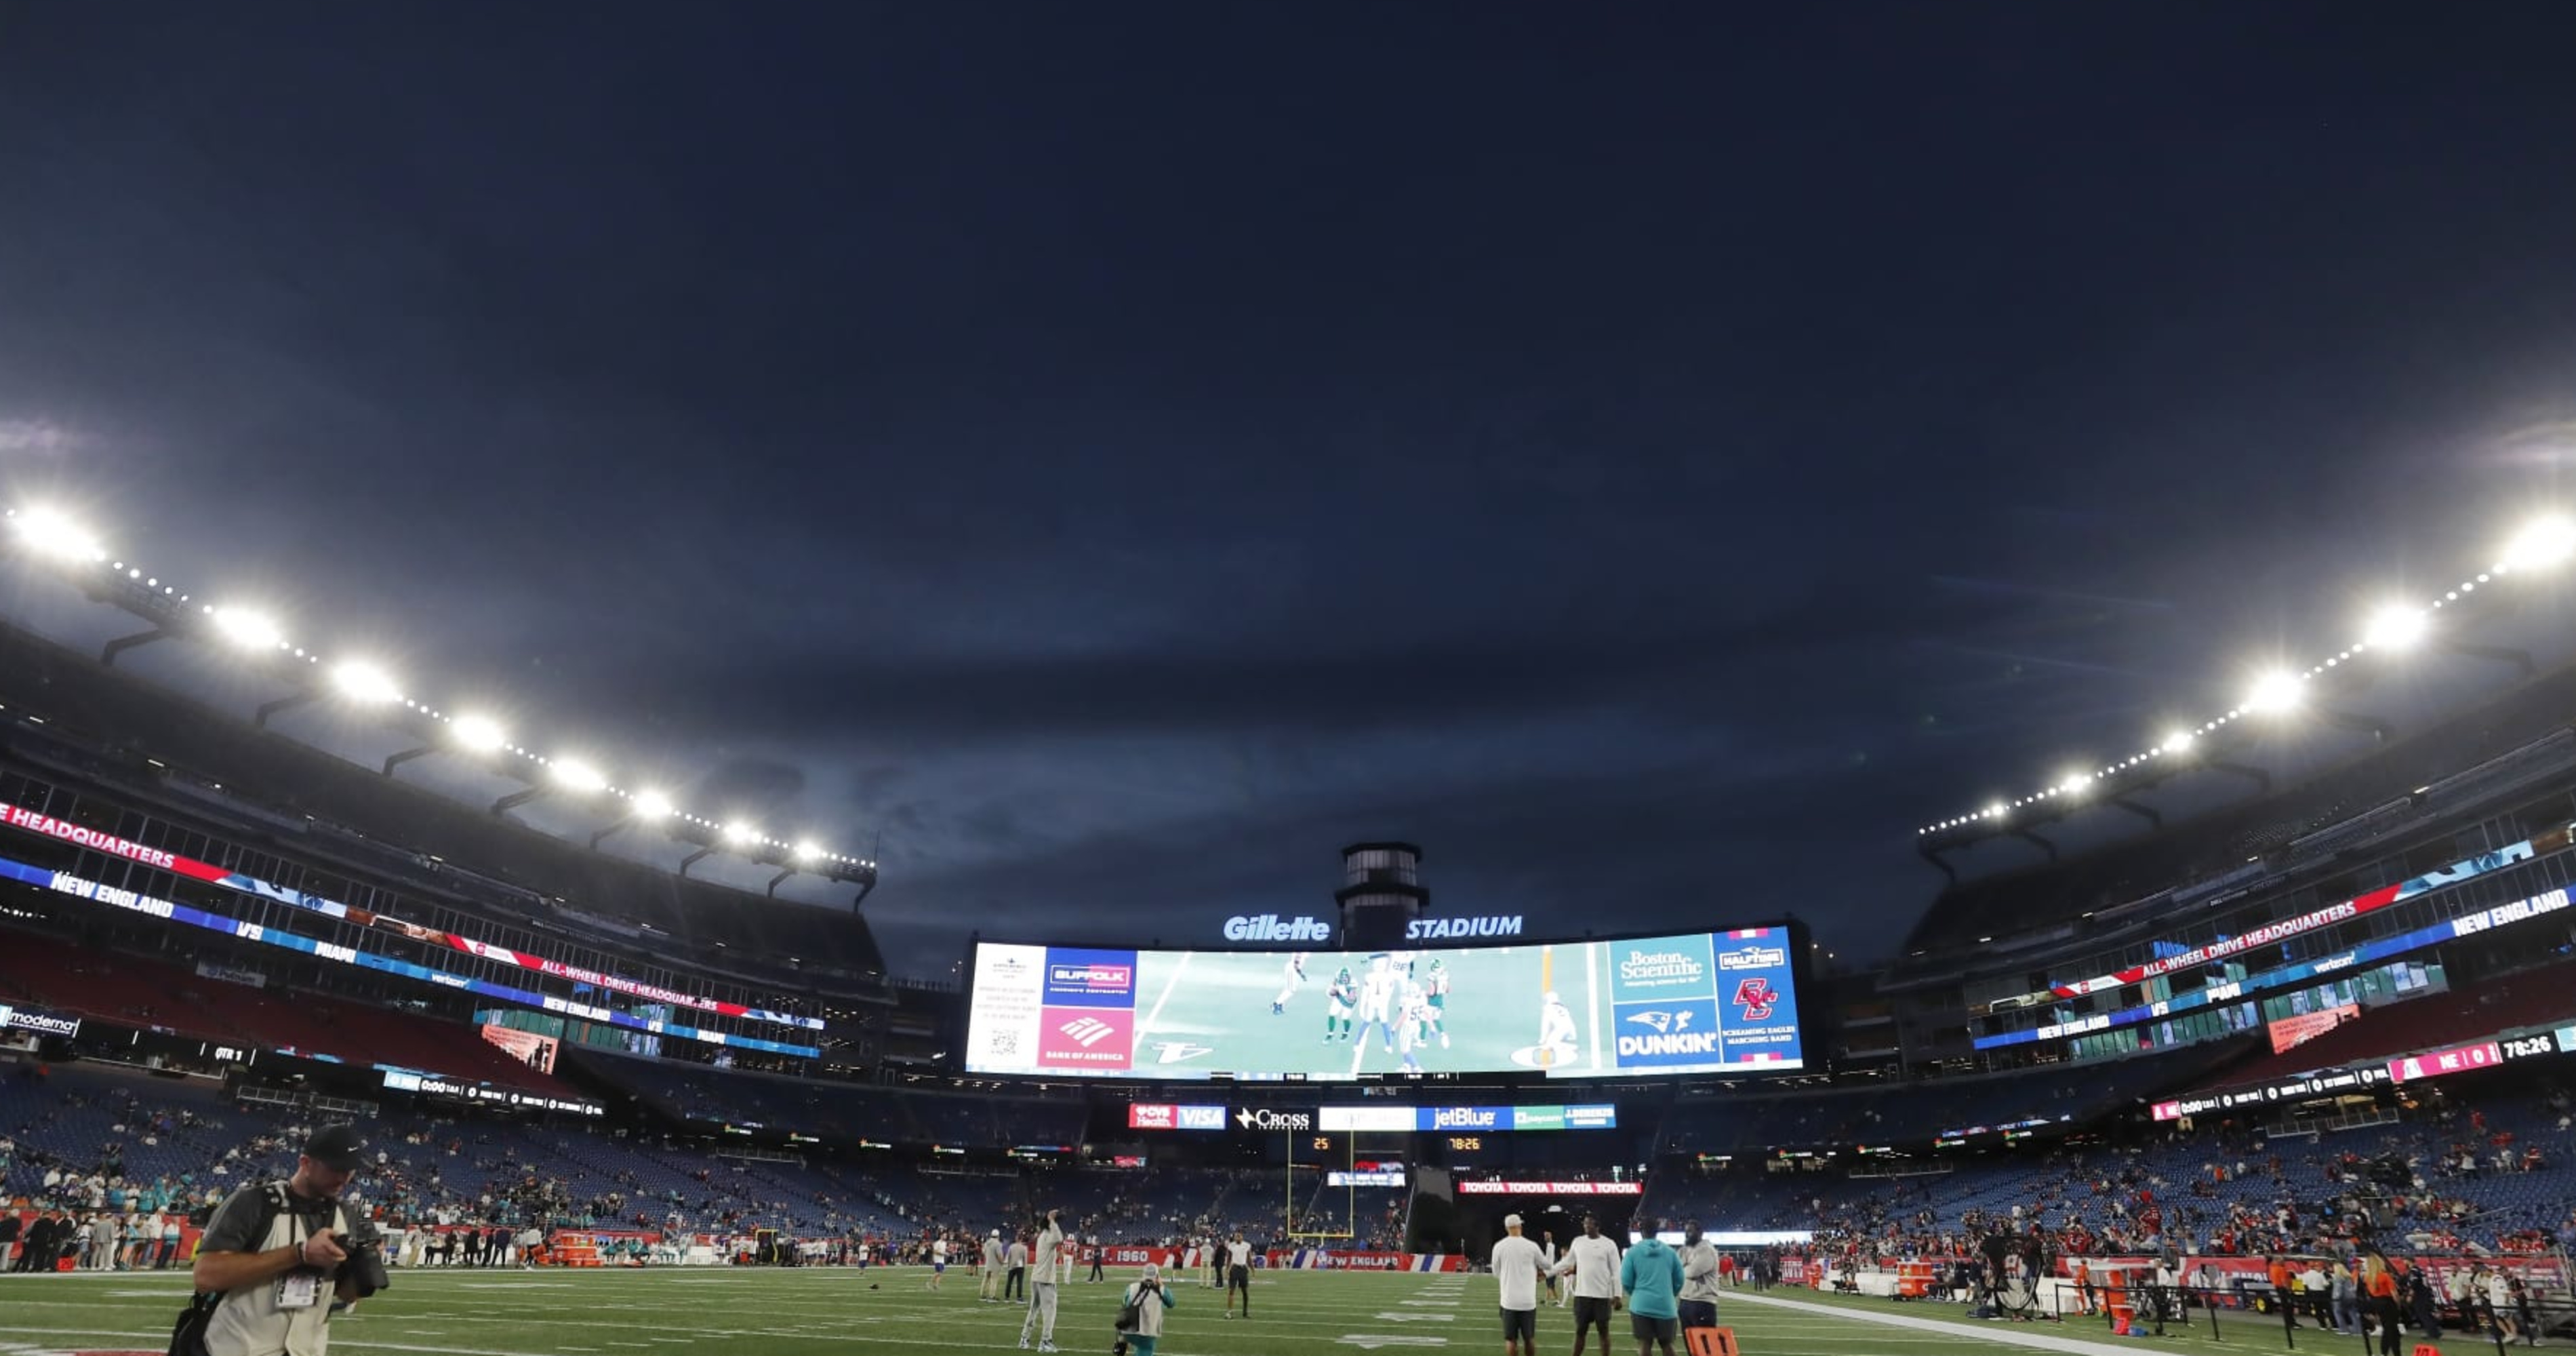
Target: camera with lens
(366,1265)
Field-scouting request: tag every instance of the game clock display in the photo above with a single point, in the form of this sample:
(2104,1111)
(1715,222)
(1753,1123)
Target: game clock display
(1706,1002)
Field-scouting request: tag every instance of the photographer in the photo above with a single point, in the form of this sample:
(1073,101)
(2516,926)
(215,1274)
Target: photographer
(1149,1299)
(277,1255)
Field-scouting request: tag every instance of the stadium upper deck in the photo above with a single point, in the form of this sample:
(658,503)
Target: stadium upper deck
(2502,753)
(160,748)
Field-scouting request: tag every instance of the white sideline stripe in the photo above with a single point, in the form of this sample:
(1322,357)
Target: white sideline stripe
(1166,996)
(2003,1333)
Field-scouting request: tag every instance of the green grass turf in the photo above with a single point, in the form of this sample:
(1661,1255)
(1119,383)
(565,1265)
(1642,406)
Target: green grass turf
(808,1312)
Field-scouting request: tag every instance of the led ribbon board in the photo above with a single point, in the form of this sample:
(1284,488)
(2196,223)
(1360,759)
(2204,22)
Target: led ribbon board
(92,840)
(2469,923)
(2469,868)
(64,882)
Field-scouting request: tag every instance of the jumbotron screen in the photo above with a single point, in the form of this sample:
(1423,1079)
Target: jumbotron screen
(1722,1002)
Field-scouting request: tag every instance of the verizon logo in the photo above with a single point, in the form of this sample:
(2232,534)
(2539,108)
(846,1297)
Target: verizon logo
(1087,1031)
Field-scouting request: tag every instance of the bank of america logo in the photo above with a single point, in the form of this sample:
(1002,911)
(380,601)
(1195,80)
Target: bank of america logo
(1088,1031)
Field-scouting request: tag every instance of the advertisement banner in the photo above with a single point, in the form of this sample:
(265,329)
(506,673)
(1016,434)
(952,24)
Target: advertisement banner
(1759,1007)
(1096,1039)
(42,1023)
(2291,1032)
(1536,1188)
(1082,977)
(232,974)
(1340,1259)
(528,1047)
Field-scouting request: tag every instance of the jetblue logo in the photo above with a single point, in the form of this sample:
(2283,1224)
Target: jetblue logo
(1753,958)
(1463,1118)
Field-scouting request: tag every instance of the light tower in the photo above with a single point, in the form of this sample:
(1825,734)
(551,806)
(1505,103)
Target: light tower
(1381,893)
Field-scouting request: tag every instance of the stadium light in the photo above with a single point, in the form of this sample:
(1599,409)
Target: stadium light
(48,532)
(1997,810)
(44,531)
(578,775)
(2276,692)
(2177,742)
(2541,543)
(481,734)
(361,681)
(2395,626)
(246,628)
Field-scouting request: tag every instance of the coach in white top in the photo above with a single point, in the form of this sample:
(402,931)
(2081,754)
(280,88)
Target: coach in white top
(1594,1262)
(1517,1266)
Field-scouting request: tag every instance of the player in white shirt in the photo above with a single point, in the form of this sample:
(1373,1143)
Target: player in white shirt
(1518,1267)
(1412,1025)
(1593,1261)
(938,1262)
(1238,1274)
(1555,1031)
(1296,977)
(1377,993)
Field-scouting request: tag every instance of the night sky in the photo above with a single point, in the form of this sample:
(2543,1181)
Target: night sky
(1113,455)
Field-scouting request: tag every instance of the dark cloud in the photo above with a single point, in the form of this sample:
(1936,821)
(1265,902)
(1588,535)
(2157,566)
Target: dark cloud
(1111,457)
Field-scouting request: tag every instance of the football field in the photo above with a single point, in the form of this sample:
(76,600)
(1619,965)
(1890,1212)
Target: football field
(811,1312)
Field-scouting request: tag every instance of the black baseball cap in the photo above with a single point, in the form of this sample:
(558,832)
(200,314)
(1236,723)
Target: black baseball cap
(337,1147)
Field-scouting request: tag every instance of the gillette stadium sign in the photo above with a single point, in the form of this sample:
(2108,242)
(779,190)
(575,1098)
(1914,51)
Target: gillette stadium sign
(1270,927)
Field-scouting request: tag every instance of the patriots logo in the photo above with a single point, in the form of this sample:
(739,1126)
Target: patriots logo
(1756,997)
(1664,1022)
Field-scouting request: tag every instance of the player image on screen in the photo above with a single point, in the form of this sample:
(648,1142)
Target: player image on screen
(1436,989)
(1586,1009)
(1555,1048)
(1413,1024)
(1296,979)
(1377,999)
(1340,999)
